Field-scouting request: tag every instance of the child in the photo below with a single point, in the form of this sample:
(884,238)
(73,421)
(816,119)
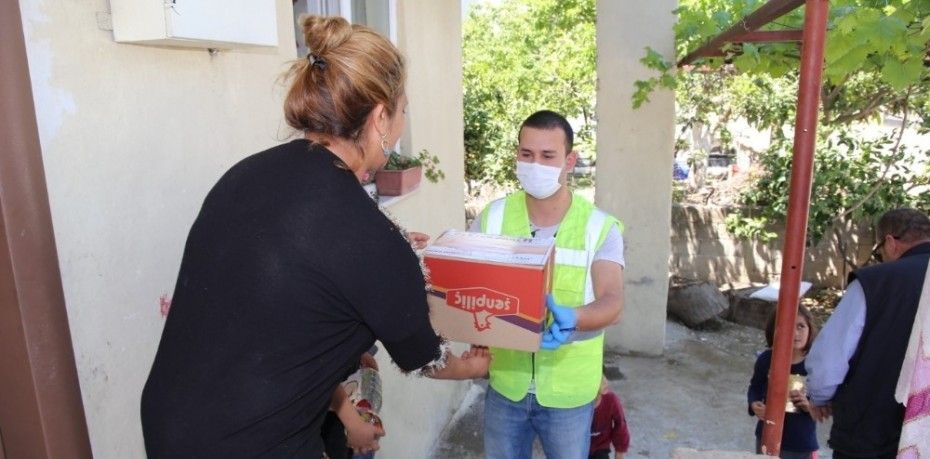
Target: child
(609,425)
(345,434)
(799,436)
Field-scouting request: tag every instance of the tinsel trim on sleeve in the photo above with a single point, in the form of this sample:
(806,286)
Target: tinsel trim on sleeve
(444,347)
(436,365)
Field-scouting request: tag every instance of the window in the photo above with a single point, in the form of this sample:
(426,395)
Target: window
(380,15)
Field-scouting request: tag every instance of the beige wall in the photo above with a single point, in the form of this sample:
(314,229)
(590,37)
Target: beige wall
(134,136)
(430,35)
(634,161)
(703,248)
(132,139)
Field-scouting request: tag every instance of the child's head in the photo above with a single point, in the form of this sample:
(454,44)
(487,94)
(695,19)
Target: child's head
(804,330)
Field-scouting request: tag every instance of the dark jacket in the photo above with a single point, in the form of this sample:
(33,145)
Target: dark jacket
(866,418)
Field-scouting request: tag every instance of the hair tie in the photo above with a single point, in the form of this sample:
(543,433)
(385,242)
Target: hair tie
(316,61)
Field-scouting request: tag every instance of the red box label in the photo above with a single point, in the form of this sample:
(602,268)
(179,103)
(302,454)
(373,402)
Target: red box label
(483,303)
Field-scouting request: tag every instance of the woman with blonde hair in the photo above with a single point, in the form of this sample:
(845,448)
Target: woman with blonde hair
(291,272)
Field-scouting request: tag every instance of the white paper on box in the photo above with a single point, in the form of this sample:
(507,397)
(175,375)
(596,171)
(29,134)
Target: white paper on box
(490,247)
(770,292)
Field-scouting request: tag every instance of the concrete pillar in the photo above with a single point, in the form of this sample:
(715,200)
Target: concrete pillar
(634,161)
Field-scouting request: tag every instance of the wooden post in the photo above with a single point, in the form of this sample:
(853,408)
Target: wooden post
(41,414)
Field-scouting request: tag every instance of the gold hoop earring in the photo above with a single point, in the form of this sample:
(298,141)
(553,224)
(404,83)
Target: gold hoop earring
(384,145)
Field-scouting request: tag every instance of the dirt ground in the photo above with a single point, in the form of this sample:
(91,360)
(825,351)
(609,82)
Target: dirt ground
(693,396)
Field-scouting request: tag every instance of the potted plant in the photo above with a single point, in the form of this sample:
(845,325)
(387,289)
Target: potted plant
(401,174)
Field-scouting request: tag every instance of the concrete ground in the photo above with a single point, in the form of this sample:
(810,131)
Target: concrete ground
(693,396)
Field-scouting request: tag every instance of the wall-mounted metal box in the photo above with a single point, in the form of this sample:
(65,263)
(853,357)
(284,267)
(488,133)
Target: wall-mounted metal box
(196,23)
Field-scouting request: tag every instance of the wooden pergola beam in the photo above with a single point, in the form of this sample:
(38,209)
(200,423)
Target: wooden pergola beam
(767,13)
(770,36)
(758,36)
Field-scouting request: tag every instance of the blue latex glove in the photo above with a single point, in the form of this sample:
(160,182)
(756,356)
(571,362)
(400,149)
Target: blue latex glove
(563,324)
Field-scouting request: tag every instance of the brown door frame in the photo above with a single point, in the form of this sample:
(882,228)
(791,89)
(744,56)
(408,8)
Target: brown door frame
(41,414)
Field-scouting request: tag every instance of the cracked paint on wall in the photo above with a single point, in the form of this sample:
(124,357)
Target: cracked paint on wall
(52,104)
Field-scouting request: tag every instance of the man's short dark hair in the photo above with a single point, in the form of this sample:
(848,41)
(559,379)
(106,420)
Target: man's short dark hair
(906,224)
(548,119)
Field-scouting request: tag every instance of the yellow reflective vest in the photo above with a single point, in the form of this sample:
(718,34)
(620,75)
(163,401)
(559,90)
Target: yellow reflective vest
(569,376)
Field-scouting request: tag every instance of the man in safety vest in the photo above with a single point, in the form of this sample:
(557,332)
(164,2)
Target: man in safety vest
(550,393)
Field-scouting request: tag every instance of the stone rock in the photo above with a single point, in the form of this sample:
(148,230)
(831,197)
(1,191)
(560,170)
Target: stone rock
(694,303)
(752,312)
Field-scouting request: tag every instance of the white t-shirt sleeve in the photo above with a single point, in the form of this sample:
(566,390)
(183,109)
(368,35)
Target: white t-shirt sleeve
(612,248)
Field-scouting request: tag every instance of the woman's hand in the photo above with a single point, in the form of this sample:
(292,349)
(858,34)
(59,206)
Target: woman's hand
(482,353)
(473,363)
(478,359)
(362,436)
(759,409)
(476,351)
(418,240)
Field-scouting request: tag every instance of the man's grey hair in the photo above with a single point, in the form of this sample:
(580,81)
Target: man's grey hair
(906,224)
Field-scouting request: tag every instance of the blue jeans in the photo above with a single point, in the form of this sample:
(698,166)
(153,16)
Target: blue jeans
(510,427)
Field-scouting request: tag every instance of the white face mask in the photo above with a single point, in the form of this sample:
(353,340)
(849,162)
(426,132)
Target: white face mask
(538,180)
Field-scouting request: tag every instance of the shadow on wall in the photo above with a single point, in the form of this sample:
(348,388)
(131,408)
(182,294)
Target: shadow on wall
(703,249)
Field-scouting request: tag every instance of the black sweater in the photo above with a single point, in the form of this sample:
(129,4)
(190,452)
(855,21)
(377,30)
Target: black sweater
(289,274)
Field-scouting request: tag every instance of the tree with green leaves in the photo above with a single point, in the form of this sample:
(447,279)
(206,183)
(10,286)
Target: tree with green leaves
(521,56)
(875,66)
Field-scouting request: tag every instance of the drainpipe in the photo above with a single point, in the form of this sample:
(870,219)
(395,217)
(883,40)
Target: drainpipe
(805,138)
(41,414)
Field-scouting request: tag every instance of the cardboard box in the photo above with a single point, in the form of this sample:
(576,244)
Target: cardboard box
(489,290)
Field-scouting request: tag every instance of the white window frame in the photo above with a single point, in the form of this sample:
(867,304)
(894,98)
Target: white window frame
(343,8)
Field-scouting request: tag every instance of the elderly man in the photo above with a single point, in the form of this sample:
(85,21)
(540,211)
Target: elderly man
(854,364)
